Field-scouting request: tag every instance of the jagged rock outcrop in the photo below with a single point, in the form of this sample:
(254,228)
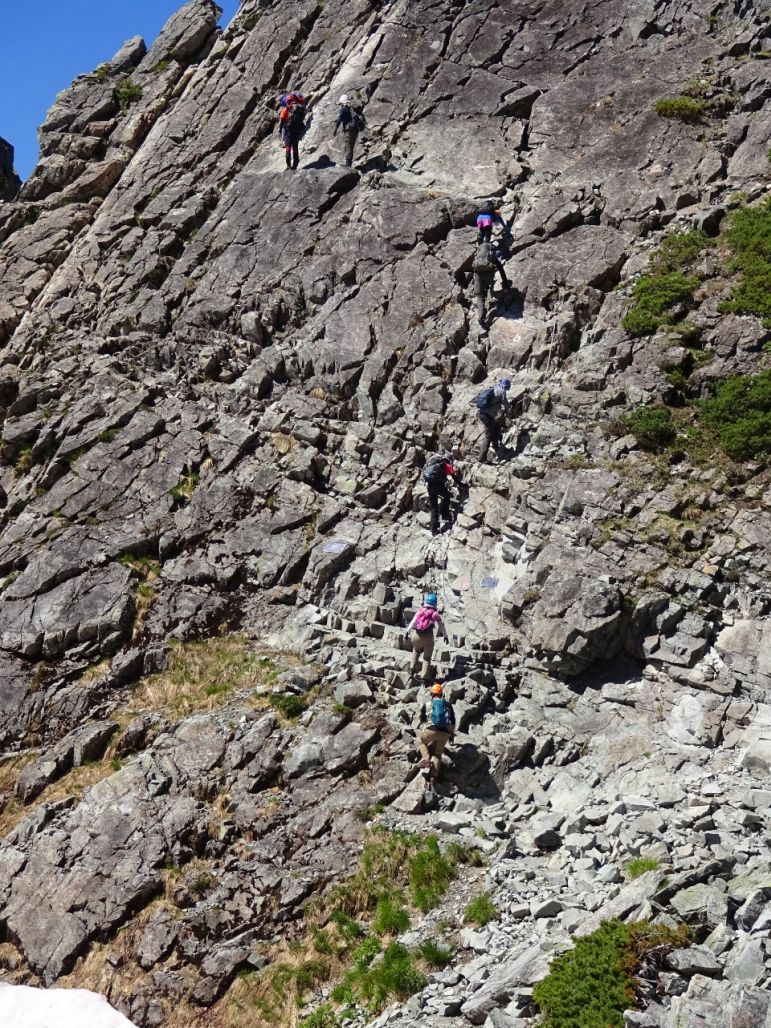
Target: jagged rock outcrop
(9,180)
(219,379)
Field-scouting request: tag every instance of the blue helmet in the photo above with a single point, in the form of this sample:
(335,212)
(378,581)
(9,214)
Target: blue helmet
(505,384)
(431,600)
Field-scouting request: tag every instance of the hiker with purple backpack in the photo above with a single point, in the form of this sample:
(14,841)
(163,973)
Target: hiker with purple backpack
(421,630)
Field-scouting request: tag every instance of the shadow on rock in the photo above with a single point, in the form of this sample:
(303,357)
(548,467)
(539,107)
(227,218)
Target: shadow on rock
(469,772)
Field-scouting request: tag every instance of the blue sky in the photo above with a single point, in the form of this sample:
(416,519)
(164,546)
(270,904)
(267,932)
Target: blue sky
(44,44)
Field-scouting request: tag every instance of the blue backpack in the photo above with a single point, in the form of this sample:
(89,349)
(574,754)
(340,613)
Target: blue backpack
(486,398)
(439,714)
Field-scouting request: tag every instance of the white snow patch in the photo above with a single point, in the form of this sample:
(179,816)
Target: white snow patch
(23,1007)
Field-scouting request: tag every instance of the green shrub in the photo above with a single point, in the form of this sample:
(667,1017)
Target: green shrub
(390,917)
(126,93)
(652,427)
(680,249)
(665,283)
(639,865)
(288,704)
(682,108)
(748,238)
(434,953)
(594,983)
(481,910)
(654,295)
(740,413)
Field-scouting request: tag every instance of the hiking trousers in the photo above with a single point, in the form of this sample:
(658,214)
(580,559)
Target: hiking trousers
(350,136)
(432,744)
(292,150)
(438,502)
(422,645)
(483,287)
(492,432)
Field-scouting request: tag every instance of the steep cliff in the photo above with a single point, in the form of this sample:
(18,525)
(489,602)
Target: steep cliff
(9,180)
(219,383)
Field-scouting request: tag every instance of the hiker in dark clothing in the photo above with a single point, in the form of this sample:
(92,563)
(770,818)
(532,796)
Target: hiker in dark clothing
(491,402)
(439,718)
(351,120)
(292,130)
(486,262)
(436,471)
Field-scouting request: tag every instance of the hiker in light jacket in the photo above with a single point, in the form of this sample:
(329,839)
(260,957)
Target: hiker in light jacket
(421,630)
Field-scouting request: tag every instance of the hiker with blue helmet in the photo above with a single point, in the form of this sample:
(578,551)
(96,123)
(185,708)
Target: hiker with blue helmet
(491,403)
(421,630)
(439,718)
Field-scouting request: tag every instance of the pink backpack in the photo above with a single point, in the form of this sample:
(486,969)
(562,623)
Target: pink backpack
(425,619)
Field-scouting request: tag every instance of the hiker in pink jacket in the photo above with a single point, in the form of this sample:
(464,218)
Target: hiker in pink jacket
(421,630)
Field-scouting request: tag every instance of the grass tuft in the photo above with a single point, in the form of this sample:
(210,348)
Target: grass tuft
(481,910)
(639,866)
(682,108)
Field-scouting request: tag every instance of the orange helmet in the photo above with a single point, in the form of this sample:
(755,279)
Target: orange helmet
(437,690)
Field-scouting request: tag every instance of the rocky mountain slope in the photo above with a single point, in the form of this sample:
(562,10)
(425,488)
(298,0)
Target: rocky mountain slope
(219,383)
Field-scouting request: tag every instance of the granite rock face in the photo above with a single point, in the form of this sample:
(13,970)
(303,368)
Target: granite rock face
(9,180)
(219,383)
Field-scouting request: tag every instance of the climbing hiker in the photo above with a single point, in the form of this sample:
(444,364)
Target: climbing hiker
(439,719)
(351,120)
(491,403)
(292,126)
(487,261)
(421,630)
(436,472)
(489,216)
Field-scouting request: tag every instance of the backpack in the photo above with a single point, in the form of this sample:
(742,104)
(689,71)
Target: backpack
(484,220)
(486,398)
(352,118)
(439,714)
(483,260)
(434,469)
(296,118)
(287,99)
(425,619)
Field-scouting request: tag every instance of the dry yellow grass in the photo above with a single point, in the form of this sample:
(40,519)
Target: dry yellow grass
(74,783)
(201,675)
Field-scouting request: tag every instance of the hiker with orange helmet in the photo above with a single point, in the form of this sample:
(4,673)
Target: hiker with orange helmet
(421,630)
(439,718)
(291,126)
